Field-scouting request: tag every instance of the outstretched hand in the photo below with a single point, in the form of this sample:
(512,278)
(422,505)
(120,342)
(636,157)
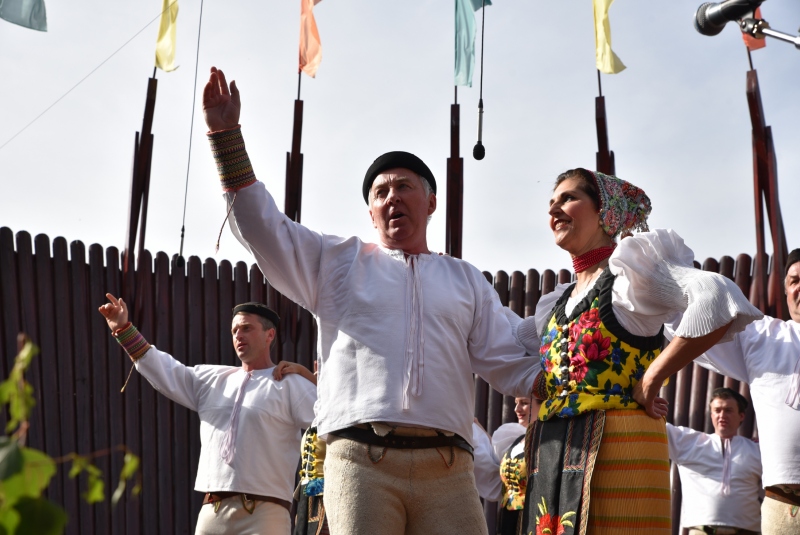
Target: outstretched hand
(655,406)
(115,313)
(221,106)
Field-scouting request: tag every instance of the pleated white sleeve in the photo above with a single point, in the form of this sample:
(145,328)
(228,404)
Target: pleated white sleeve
(657,283)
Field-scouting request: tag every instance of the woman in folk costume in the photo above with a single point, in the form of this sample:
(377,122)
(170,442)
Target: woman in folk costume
(597,456)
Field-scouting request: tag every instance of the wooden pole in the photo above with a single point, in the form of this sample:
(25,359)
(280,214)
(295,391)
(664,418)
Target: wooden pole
(767,292)
(294,163)
(140,190)
(455,185)
(605,156)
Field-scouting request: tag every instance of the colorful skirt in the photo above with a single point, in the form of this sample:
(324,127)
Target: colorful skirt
(602,473)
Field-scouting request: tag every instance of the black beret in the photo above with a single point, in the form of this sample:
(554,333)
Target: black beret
(793,258)
(392,160)
(259,309)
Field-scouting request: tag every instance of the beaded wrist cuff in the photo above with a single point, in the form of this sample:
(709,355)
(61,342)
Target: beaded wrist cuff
(233,164)
(540,387)
(132,341)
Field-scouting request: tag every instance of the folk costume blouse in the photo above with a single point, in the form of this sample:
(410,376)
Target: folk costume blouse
(612,331)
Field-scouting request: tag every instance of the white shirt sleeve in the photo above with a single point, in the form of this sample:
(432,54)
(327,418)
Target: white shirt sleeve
(288,253)
(303,397)
(170,377)
(487,466)
(656,279)
(495,354)
(726,358)
(681,441)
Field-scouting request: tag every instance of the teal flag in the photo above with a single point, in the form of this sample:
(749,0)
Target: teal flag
(28,13)
(465,40)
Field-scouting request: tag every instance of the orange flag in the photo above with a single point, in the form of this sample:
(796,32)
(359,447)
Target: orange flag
(310,46)
(751,42)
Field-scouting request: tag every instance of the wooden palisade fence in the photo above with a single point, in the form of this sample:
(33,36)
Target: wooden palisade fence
(50,291)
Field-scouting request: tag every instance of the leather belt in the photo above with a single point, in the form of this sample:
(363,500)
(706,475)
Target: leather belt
(724,530)
(782,496)
(367,436)
(212,497)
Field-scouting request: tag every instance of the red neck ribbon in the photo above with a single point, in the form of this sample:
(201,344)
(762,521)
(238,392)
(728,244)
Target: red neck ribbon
(587,260)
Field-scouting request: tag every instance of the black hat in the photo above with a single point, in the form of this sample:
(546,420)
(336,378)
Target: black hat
(259,309)
(793,258)
(392,160)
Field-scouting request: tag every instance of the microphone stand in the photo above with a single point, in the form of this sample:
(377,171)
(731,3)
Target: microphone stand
(759,28)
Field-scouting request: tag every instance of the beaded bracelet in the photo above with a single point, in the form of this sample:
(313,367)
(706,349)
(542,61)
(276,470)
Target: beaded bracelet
(131,341)
(233,164)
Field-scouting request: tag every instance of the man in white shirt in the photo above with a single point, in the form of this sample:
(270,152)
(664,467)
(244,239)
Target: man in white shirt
(250,420)
(766,355)
(401,333)
(720,473)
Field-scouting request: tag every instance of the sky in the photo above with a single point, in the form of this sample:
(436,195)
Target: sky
(678,119)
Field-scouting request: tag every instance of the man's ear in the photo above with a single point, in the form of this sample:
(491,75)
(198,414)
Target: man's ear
(432,204)
(374,224)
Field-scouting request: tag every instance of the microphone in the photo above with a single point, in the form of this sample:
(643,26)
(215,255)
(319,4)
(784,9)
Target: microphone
(712,17)
(478,152)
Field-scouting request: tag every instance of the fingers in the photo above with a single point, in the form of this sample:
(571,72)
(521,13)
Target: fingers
(112,299)
(223,84)
(235,95)
(277,374)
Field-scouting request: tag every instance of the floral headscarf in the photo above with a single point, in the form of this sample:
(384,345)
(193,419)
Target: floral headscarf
(623,207)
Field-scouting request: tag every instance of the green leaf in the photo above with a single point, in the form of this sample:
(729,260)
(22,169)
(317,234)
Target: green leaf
(79,464)
(40,517)
(37,470)
(9,519)
(129,469)
(95,492)
(10,458)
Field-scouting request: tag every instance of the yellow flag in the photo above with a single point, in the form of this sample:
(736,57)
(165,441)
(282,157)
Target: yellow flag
(607,61)
(310,45)
(165,46)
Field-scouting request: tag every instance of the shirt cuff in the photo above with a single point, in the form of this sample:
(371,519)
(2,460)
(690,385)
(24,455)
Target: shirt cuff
(233,164)
(131,341)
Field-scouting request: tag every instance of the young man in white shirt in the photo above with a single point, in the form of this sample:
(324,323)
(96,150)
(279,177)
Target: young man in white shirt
(720,473)
(766,355)
(250,420)
(402,330)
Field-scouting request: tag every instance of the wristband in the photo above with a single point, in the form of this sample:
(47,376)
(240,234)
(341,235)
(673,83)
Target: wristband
(132,341)
(233,164)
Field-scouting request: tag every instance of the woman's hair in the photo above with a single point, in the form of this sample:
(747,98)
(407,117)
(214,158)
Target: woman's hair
(586,182)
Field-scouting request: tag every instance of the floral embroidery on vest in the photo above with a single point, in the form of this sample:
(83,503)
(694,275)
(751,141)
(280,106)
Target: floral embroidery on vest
(586,366)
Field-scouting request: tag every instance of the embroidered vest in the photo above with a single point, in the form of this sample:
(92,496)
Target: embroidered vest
(590,361)
(514,476)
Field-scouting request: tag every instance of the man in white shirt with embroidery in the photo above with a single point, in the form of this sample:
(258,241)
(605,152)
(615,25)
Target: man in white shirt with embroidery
(401,332)
(720,473)
(250,420)
(766,355)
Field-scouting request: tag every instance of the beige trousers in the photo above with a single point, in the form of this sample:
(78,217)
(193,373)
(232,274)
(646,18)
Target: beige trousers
(778,518)
(406,492)
(233,519)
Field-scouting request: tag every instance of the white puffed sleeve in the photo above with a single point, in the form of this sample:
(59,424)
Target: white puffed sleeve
(527,331)
(657,283)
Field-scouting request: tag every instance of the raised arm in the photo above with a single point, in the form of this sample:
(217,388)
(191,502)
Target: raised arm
(288,254)
(170,377)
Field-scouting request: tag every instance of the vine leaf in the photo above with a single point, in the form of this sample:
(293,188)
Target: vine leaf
(39,516)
